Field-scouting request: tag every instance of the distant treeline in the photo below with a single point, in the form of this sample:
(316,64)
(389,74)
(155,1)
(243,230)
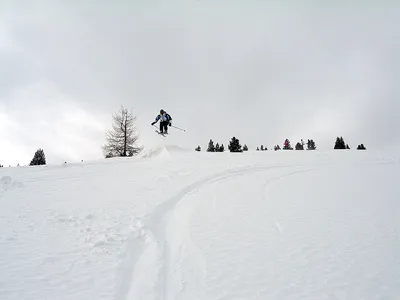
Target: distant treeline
(235,146)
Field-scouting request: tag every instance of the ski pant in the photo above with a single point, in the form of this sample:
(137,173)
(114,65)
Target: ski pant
(164,126)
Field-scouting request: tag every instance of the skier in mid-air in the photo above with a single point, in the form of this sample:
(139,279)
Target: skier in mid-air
(165,121)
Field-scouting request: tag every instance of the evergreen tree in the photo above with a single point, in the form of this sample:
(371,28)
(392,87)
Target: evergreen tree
(262,148)
(277,147)
(361,147)
(1,166)
(286,145)
(245,148)
(234,145)
(340,144)
(38,159)
(211,147)
(347,147)
(217,148)
(299,146)
(337,143)
(311,145)
(221,148)
(198,148)
(258,149)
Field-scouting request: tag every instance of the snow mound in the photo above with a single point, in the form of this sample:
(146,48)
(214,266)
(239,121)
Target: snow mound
(165,152)
(178,149)
(153,152)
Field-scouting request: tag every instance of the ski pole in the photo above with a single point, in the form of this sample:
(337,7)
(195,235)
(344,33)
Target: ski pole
(156,127)
(178,128)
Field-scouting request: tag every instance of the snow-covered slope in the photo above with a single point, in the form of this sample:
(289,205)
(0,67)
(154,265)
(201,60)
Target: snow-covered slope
(177,224)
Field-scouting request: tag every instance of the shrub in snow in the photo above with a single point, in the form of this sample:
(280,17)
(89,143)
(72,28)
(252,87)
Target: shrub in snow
(198,148)
(245,148)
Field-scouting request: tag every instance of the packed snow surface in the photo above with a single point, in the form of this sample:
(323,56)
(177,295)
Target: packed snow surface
(177,224)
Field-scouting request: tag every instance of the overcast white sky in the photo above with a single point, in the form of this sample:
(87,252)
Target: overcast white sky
(258,70)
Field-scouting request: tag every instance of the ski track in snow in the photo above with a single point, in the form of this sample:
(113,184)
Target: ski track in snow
(303,225)
(160,240)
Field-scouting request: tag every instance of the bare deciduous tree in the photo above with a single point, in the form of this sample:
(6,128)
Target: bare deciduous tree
(122,139)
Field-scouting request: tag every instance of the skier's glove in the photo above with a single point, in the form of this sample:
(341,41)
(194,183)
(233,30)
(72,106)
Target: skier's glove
(153,123)
(169,124)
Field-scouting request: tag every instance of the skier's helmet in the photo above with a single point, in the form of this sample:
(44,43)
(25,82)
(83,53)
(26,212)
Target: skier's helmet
(162,111)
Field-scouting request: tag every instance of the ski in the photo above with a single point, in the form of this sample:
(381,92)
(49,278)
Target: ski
(160,133)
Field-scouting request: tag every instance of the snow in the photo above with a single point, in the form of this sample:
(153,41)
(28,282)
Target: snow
(180,224)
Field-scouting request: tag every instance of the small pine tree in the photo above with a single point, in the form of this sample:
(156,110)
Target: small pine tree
(361,147)
(286,145)
(299,146)
(217,148)
(258,149)
(211,147)
(198,149)
(277,147)
(337,143)
(347,147)
(221,148)
(245,148)
(342,141)
(262,148)
(1,166)
(311,145)
(340,144)
(234,145)
(38,159)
